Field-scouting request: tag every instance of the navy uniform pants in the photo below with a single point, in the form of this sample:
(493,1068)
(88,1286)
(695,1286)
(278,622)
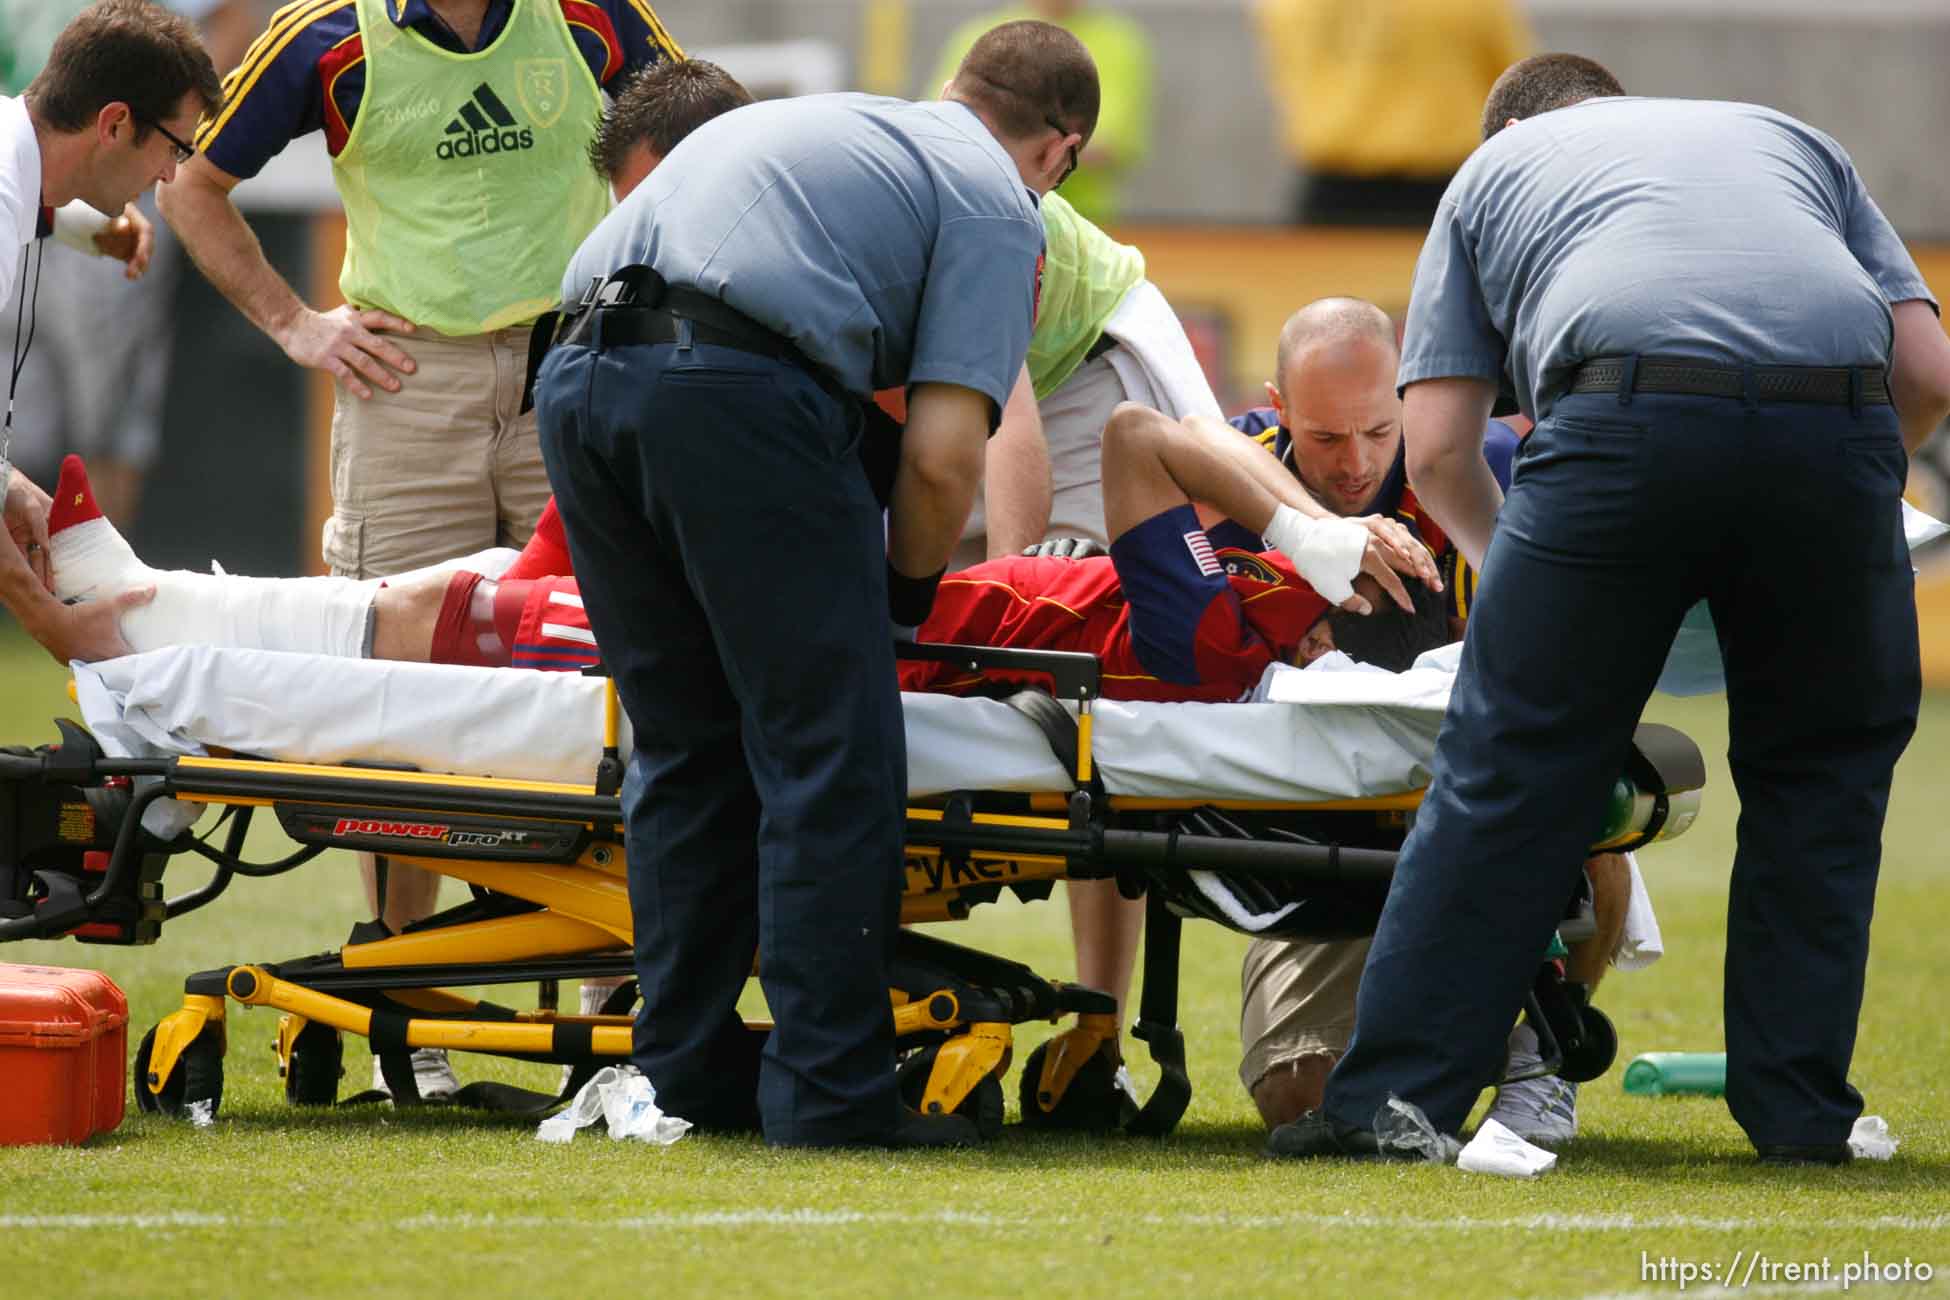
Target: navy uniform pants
(734,567)
(1786,518)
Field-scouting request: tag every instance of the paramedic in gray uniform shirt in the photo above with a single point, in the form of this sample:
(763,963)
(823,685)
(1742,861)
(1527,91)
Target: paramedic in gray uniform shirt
(806,253)
(1726,348)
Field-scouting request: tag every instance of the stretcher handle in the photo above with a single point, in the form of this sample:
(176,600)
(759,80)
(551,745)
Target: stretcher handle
(52,766)
(1074,675)
(1327,864)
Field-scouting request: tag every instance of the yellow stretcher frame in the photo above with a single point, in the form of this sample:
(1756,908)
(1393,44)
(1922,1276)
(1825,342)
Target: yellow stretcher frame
(577,905)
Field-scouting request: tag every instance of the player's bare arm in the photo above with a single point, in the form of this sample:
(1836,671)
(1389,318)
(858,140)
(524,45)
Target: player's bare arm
(345,342)
(1017,480)
(1391,549)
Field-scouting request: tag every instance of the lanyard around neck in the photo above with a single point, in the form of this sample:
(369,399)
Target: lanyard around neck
(24,323)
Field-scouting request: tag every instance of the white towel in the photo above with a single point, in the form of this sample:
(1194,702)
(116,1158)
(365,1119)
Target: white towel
(1157,359)
(1639,944)
(1496,1150)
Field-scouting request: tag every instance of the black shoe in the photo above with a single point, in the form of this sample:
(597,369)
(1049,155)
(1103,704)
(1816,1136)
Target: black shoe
(1829,1153)
(1314,1135)
(914,1131)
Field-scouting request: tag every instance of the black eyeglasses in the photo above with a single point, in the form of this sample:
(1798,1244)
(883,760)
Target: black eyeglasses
(184,152)
(1063,131)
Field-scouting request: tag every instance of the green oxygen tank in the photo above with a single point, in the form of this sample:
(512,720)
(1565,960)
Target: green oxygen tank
(1665,1074)
(1625,809)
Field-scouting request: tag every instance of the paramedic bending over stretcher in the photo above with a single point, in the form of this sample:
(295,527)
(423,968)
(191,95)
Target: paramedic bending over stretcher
(1168,619)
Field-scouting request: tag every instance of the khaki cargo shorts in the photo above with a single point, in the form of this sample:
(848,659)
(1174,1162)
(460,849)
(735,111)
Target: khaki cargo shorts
(446,466)
(1296,999)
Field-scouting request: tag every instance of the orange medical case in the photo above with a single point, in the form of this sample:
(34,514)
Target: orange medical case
(63,1054)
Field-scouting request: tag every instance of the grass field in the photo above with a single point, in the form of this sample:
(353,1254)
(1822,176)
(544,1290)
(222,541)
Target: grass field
(277,1202)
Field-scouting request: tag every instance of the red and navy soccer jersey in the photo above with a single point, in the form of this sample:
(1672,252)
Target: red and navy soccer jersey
(1170,616)
(307,71)
(554,629)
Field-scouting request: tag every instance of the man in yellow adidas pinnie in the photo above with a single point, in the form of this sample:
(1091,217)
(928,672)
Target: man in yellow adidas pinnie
(459,134)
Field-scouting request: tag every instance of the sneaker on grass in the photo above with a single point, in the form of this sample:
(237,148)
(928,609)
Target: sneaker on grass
(1544,1110)
(433,1075)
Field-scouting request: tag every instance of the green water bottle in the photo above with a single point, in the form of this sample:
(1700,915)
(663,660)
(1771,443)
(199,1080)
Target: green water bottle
(1666,1074)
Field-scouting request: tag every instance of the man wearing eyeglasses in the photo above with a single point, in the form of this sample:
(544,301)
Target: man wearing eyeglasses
(97,380)
(1121,49)
(95,126)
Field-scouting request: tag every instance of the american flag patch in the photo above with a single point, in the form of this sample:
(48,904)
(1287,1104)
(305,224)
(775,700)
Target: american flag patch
(1201,548)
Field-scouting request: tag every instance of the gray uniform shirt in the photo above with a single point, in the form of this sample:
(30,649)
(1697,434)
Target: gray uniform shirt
(894,243)
(1724,232)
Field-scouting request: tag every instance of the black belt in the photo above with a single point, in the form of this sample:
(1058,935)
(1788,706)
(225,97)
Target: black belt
(1827,385)
(711,322)
(626,323)
(1103,344)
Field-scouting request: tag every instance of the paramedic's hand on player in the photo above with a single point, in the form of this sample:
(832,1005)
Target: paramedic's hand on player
(91,629)
(346,342)
(88,631)
(1392,549)
(26,517)
(130,240)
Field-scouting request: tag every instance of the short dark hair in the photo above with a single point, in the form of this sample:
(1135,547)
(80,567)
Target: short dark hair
(1543,82)
(1024,75)
(660,106)
(1391,637)
(124,51)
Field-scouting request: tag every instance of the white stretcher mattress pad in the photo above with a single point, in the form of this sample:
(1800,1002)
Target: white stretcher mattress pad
(1319,735)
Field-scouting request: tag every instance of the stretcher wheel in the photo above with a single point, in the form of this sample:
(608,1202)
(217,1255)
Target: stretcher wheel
(197,1076)
(1595,1050)
(312,1078)
(1093,1103)
(982,1105)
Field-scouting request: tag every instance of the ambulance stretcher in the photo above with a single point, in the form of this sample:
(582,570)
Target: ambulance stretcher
(1280,818)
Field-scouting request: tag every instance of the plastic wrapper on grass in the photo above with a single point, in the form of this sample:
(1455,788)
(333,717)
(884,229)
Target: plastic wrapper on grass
(1402,1130)
(626,1103)
(1871,1139)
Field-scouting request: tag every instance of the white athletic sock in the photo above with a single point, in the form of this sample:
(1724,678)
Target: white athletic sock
(1326,552)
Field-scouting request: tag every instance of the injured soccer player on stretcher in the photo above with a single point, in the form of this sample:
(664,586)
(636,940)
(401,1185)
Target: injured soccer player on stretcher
(1162,611)
(1171,618)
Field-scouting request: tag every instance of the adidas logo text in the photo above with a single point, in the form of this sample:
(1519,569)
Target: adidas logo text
(483,126)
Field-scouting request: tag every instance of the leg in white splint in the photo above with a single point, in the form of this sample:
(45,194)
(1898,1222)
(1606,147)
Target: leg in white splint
(91,560)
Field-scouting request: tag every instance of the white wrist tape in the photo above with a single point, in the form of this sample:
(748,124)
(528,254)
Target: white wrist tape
(1326,552)
(76,225)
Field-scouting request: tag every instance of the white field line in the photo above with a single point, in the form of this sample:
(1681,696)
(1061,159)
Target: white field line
(841,1218)
(90,1222)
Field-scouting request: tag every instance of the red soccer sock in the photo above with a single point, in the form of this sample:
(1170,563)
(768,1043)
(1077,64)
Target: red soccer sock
(455,637)
(510,597)
(547,552)
(478,627)
(74,499)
